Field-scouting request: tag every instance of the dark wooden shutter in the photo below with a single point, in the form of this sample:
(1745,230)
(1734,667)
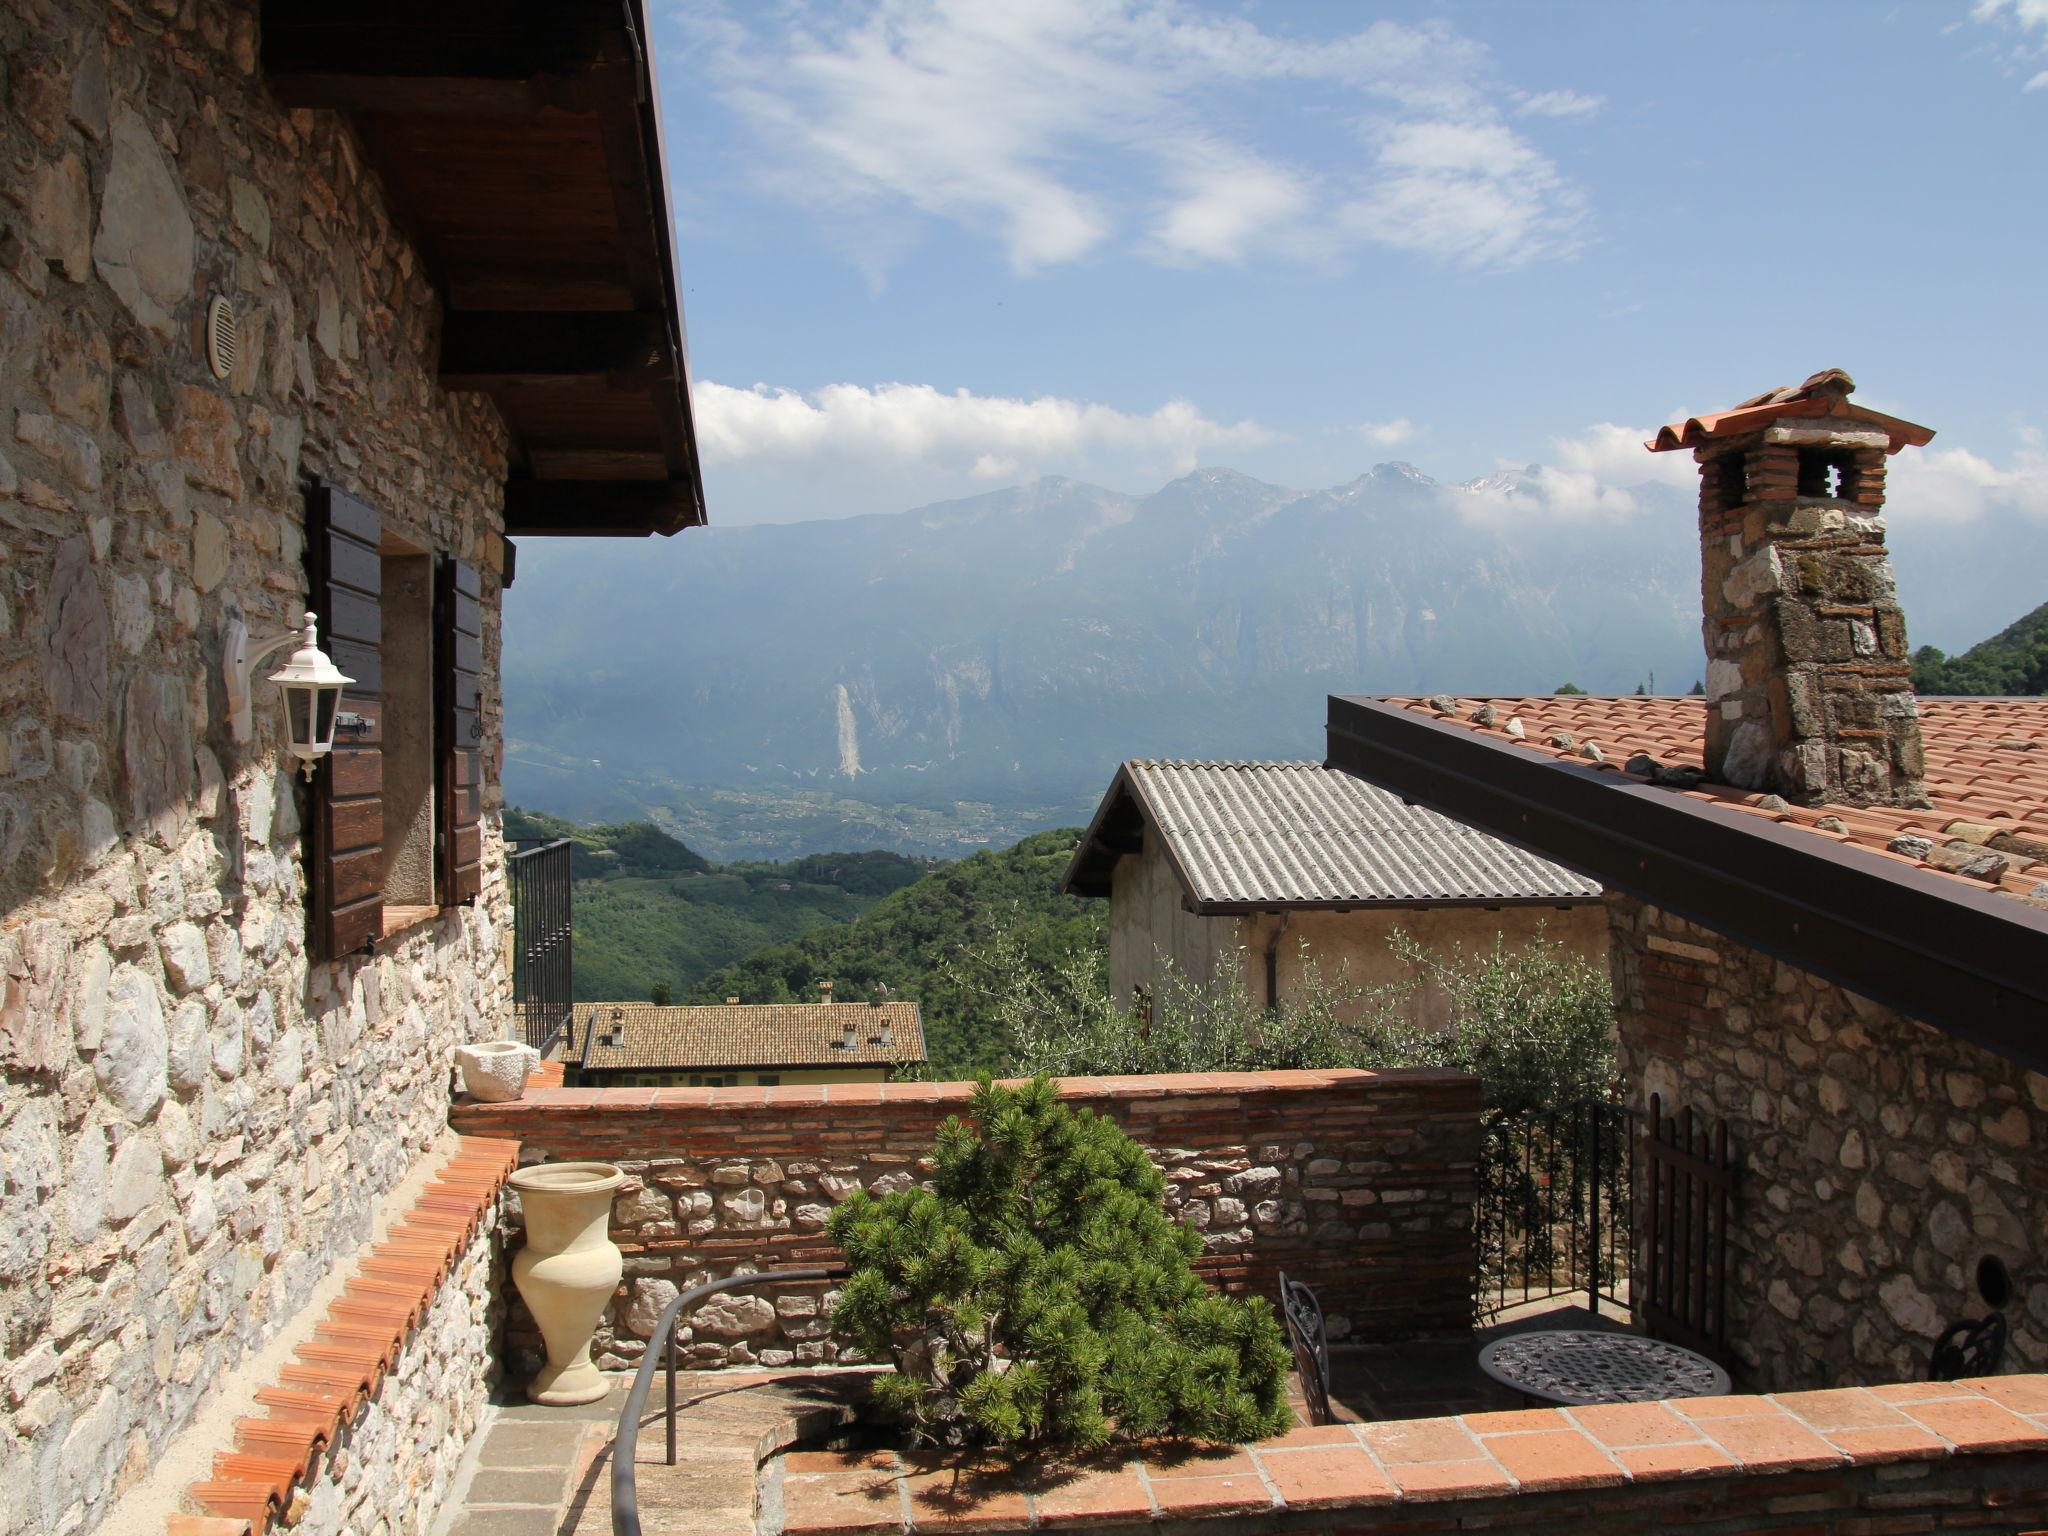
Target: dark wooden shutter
(347,872)
(458,729)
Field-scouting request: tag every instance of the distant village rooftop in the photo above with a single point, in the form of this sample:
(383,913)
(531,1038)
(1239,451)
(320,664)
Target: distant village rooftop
(641,1037)
(1260,836)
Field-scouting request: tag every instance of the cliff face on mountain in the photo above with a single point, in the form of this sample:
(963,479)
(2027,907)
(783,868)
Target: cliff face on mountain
(1011,648)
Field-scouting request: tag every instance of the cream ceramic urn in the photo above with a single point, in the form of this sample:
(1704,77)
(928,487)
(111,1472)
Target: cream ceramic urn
(568,1270)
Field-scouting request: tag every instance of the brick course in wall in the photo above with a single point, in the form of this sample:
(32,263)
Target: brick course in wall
(1360,1183)
(1880,1157)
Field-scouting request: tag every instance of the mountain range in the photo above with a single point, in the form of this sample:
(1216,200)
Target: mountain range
(979,667)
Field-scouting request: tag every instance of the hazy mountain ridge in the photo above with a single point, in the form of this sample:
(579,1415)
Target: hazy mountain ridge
(1011,648)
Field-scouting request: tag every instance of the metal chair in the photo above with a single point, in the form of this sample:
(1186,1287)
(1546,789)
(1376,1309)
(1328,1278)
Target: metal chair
(1304,1315)
(1976,1346)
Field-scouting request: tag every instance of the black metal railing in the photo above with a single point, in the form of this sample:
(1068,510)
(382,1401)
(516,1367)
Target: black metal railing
(1556,1207)
(543,906)
(625,1446)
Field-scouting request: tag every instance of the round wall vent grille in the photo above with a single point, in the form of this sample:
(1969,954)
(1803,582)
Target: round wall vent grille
(220,337)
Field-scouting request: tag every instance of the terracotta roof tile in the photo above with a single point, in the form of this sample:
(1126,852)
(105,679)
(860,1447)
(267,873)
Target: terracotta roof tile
(722,1036)
(1987,768)
(1825,394)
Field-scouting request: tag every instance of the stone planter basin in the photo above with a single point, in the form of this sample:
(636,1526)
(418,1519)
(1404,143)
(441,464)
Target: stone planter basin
(495,1071)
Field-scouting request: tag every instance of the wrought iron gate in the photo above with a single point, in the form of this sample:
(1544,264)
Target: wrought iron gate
(1555,1208)
(1689,1175)
(542,907)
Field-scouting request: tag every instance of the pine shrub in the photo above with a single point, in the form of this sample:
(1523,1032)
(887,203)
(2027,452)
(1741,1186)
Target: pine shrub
(1037,1294)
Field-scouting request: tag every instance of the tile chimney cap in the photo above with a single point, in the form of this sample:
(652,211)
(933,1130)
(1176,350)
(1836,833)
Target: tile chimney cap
(1823,394)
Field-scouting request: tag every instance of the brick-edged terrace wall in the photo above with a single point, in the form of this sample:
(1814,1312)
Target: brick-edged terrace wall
(1360,1183)
(1880,1157)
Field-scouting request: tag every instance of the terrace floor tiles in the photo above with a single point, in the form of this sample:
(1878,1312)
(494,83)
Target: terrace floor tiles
(1318,1477)
(1553,1459)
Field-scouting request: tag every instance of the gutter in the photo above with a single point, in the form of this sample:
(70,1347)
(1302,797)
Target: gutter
(1970,962)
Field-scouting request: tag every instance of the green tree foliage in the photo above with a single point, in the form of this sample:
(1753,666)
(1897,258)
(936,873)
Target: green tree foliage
(1698,688)
(1037,1294)
(915,942)
(1535,1024)
(2013,661)
(660,995)
(650,912)
(1573,689)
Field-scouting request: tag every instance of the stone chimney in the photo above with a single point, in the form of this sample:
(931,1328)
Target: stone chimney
(824,991)
(1809,680)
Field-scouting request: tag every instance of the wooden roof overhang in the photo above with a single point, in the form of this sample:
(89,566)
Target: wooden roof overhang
(1971,962)
(520,142)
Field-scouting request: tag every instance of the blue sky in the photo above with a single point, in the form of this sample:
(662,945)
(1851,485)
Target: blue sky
(932,248)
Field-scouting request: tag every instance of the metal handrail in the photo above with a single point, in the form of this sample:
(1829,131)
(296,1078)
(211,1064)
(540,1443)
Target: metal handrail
(626,1444)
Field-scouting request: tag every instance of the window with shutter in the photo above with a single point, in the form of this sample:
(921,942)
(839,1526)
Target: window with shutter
(346,874)
(458,666)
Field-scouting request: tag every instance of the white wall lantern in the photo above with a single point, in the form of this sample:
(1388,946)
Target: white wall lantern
(312,687)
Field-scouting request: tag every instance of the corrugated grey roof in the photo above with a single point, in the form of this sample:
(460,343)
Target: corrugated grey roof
(1300,833)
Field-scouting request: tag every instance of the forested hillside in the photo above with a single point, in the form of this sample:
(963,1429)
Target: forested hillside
(650,912)
(2013,661)
(921,943)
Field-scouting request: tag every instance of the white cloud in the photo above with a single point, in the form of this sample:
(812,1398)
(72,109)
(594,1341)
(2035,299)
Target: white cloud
(1598,473)
(2027,13)
(2030,19)
(986,437)
(1388,434)
(1066,127)
(1954,485)
(1560,104)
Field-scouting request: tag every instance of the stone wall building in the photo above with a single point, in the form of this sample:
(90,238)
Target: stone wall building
(1257,875)
(1828,905)
(233,387)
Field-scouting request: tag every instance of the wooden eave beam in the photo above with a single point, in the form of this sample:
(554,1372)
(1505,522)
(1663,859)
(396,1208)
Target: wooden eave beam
(447,57)
(488,350)
(630,508)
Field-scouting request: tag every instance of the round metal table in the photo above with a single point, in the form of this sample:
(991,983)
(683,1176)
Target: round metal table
(1577,1367)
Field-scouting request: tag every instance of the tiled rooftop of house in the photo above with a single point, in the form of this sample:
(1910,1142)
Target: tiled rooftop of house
(640,1036)
(1987,774)
(1298,834)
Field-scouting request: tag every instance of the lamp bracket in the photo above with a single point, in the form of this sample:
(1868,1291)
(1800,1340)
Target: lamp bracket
(241,653)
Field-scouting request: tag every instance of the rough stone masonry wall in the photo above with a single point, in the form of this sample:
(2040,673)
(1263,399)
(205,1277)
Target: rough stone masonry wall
(393,1467)
(1881,1158)
(194,1122)
(1359,1183)
(1809,682)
